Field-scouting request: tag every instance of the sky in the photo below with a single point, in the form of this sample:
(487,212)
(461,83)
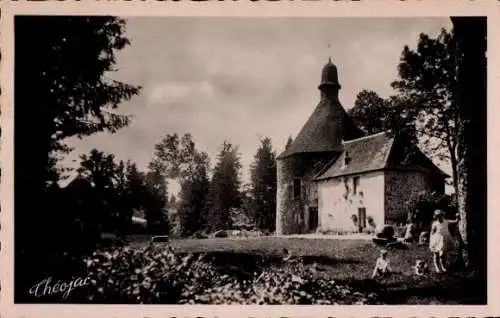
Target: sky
(240,79)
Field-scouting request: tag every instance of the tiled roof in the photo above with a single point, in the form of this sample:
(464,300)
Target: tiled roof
(366,153)
(375,152)
(319,132)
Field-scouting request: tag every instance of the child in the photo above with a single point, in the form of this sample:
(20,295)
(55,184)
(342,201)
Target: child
(440,240)
(382,266)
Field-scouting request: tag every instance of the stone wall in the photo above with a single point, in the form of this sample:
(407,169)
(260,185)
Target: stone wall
(399,188)
(293,213)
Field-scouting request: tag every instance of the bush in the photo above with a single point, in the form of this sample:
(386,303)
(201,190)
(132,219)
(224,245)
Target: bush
(154,275)
(422,205)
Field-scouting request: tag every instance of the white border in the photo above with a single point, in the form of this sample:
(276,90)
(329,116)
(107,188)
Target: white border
(247,8)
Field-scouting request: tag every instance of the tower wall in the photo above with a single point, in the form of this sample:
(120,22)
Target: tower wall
(292,213)
(318,142)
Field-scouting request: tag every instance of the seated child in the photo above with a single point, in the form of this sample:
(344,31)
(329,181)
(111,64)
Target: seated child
(382,266)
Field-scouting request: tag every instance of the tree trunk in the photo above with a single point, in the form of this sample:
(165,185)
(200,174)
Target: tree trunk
(470,33)
(454,170)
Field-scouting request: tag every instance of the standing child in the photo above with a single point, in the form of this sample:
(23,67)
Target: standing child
(382,266)
(440,240)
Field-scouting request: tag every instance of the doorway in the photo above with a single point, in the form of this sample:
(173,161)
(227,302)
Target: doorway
(313,218)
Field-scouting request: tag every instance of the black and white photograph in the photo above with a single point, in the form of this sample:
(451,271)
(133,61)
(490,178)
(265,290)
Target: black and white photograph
(190,160)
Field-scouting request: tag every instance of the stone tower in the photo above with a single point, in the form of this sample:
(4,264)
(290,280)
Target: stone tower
(318,142)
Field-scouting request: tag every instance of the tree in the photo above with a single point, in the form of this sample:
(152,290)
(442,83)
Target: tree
(194,192)
(102,173)
(470,33)
(177,158)
(156,199)
(263,186)
(132,194)
(374,114)
(289,142)
(369,112)
(65,63)
(99,169)
(427,81)
(224,193)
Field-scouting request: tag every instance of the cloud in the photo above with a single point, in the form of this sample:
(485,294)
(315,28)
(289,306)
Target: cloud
(241,78)
(172,91)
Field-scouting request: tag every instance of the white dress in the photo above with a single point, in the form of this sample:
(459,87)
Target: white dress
(440,238)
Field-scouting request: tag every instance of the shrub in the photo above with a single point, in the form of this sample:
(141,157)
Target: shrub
(154,275)
(422,205)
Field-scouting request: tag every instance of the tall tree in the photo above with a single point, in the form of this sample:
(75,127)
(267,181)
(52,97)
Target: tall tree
(369,112)
(263,186)
(289,142)
(374,114)
(470,33)
(194,193)
(427,81)
(177,158)
(155,206)
(132,194)
(66,64)
(103,174)
(225,185)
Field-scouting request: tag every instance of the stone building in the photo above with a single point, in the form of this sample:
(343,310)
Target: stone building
(334,178)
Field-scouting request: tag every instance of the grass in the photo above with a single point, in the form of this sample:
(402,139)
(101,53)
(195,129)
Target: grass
(343,260)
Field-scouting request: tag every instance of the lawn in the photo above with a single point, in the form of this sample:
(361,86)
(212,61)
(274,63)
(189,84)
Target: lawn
(343,260)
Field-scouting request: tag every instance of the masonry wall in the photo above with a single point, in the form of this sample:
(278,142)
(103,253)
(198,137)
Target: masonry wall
(399,188)
(338,201)
(292,213)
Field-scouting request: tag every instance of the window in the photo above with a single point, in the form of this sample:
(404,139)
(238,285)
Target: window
(296,188)
(355,184)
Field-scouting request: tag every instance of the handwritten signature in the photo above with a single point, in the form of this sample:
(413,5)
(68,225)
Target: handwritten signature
(45,287)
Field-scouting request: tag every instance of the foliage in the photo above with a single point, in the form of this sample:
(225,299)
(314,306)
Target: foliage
(120,189)
(158,275)
(66,64)
(241,218)
(263,186)
(101,173)
(428,81)
(177,158)
(224,192)
(422,205)
(375,114)
(71,93)
(371,221)
(193,196)
(155,202)
(289,142)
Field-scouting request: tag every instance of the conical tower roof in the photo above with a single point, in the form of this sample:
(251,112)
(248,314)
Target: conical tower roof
(329,123)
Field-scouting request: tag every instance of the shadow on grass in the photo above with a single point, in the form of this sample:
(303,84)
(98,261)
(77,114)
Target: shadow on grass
(245,265)
(432,289)
(326,260)
(447,289)
(450,289)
